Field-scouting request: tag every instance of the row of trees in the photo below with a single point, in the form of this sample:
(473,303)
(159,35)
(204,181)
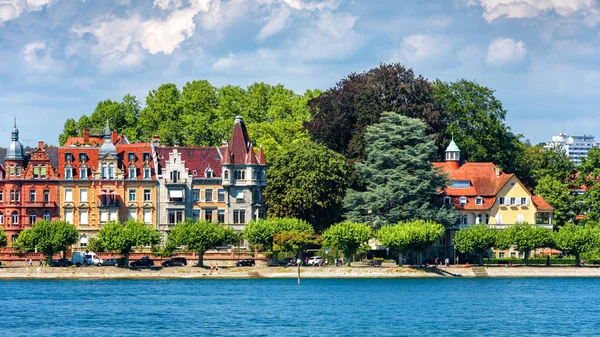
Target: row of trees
(575,239)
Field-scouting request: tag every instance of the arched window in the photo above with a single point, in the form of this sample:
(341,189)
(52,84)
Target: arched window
(132,172)
(104,171)
(83,172)
(32,218)
(147,173)
(226,174)
(208,173)
(15,218)
(111,171)
(46,216)
(83,241)
(254,174)
(68,173)
(243,174)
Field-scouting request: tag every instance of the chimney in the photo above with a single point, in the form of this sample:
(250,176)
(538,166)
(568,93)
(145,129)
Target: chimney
(41,144)
(497,171)
(155,138)
(86,135)
(114,136)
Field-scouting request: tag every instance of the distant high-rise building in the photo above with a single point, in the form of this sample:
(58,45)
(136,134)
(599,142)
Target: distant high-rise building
(576,147)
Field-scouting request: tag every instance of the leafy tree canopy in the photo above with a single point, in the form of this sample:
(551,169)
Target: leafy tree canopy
(540,162)
(3,239)
(410,235)
(399,181)
(307,181)
(577,239)
(200,236)
(294,241)
(342,113)
(558,194)
(122,238)
(524,238)
(260,233)
(348,237)
(475,239)
(48,238)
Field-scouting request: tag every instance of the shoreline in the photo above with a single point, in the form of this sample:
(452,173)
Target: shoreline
(19,273)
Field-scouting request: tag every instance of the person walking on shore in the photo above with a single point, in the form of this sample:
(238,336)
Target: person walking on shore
(446,262)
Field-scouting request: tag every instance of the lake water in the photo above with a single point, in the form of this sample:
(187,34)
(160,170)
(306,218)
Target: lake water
(319,307)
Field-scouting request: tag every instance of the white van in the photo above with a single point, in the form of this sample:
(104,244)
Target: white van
(89,258)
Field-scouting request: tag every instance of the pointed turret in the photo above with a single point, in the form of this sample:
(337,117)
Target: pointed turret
(251,156)
(453,155)
(226,156)
(261,156)
(240,142)
(15,149)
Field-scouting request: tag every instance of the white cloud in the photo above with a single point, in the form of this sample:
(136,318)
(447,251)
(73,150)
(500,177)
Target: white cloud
(521,9)
(12,9)
(154,35)
(225,63)
(167,4)
(504,51)
(421,48)
(312,5)
(39,58)
(276,23)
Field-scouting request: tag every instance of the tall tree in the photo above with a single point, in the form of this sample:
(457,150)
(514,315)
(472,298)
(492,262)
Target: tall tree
(122,238)
(348,237)
(473,115)
(342,113)
(48,237)
(577,239)
(414,235)
(558,194)
(294,241)
(199,237)
(198,103)
(69,130)
(475,239)
(399,182)
(307,181)
(540,162)
(161,115)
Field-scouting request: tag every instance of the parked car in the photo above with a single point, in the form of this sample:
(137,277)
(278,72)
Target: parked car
(62,263)
(375,263)
(176,261)
(286,262)
(143,262)
(111,262)
(87,258)
(315,261)
(246,263)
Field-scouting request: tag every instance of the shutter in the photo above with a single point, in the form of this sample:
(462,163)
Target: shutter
(104,216)
(147,216)
(69,216)
(83,217)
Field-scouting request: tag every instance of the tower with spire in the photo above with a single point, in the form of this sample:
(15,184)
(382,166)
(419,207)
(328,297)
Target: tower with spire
(453,155)
(15,149)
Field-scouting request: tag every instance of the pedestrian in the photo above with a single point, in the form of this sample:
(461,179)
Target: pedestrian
(306,261)
(41,263)
(456,260)
(335,261)
(446,262)
(212,267)
(436,261)
(403,260)
(26,262)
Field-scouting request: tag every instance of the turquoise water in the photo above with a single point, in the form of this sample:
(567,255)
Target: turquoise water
(319,307)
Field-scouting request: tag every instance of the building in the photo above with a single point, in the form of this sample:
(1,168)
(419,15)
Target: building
(221,184)
(482,193)
(115,181)
(576,147)
(28,186)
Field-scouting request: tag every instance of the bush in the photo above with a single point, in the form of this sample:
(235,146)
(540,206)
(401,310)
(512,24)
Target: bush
(531,261)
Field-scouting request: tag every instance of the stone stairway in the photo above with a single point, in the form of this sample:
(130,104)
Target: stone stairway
(480,272)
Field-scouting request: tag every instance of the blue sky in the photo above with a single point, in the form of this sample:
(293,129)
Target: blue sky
(58,58)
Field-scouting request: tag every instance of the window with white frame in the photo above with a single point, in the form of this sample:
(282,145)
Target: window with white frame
(113,215)
(147,216)
(132,195)
(513,201)
(111,171)
(83,195)
(46,216)
(498,219)
(465,219)
(208,173)
(147,173)
(524,201)
(69,216)
(68,194)
(501,201)
(103,216)
(478,201)
(462,201)
(83,217)
(220,195)
(15,218)
(32,218)
(447,201)
(104,171)
(68,173)
(132,214)
(83,172)
(83,241)
(520,218)
(208,195)
(147,195)
(196,195)
(1,218)
(132,172)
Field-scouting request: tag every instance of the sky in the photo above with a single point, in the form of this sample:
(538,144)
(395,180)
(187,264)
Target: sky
(59,58)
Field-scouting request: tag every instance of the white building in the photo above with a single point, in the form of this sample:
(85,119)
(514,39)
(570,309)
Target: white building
(576,147)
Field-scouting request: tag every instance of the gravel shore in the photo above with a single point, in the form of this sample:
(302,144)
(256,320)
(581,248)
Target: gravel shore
(290,272)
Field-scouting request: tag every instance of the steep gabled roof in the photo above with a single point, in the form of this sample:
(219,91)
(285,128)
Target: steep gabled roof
(195,158)
(239,142)
(541,204)
(251,156)
(261,156)
(482,178)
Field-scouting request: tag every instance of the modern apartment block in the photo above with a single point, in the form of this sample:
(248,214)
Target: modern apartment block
(576,147)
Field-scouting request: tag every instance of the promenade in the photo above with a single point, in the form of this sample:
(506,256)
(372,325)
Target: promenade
(291,272)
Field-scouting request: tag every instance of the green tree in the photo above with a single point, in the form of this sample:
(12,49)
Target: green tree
(69,130)
(399,181)
(199,102)
(200,236)
(277,135)
(588,177)
(307,181)
(294,241)
(396,238)
(348,237)
(540,162)
(261,233)
(577,239)
(48,237)
(524,238)
(413,235)
(475,239)
(558,194)
(475,118)
(122,238)
(3,239)
(342,114)
(162,114)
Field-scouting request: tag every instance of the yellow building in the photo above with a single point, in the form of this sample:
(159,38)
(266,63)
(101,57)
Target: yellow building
(482,193)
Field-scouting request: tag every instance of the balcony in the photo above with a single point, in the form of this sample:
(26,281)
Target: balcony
(108,203)
(40,203)
(176,182)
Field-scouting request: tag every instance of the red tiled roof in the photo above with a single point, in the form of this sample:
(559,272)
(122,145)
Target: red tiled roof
(541,204)
(482,177)
(74,141)
(251,156)
(195,158)
(123,151)
(226,155)
(488,202)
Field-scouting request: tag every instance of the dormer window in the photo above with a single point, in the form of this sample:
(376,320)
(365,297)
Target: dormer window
(226,174)
(132,172)
(68,172)
(111,171)
(36,172)
(83,172)
(104,171)
(462,201)
(478,201)
(175,176)
(208,173)
(239,174)
(447,201)
(146,157)
(131,157)
(82,157)
(43,172)
(147,173)
(68,157)
(18,170)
